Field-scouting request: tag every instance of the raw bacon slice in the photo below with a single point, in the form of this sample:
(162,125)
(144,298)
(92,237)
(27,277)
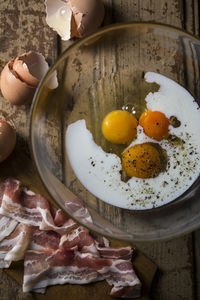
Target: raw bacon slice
(126,283)
(29,208)
(72,263)
(15,207)
(59,251)
(81,239)
(50,261)
(116,272)
(42,269)
(13,247)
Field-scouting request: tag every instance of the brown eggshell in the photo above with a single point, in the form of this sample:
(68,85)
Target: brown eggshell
(88,15)
(7,140)
(13,88)
(30,67)
(74,31)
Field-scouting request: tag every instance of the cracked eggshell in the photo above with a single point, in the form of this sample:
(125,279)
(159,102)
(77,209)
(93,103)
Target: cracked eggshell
(21,76)
(74,18)
(7,140)
(30,67)
(13,88)
(88,15)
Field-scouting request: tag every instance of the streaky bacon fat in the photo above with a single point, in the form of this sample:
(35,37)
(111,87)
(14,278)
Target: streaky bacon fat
(29,208)
(13,247)
(56,249)
(118,273)
(42,269)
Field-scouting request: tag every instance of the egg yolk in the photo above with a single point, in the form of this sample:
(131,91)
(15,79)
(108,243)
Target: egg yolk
(155,124)
(142,161)
(119,127)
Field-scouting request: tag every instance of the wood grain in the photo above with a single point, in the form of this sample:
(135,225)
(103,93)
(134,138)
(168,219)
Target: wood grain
(23,28)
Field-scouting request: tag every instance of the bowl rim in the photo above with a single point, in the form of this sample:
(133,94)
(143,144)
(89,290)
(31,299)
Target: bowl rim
(43,81)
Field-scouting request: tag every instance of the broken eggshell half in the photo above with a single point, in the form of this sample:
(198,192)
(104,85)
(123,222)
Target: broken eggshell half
(21,76)
(74,18)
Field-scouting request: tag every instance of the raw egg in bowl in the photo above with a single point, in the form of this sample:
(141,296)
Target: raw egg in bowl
(121,132)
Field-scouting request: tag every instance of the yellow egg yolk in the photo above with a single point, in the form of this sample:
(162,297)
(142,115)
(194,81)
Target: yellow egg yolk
(119,127)
(142,161)
(155,124)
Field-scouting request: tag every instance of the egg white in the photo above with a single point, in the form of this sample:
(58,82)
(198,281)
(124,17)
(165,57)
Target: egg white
(99,171)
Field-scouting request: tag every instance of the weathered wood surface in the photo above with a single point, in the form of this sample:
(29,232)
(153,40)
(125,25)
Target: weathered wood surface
(23,28)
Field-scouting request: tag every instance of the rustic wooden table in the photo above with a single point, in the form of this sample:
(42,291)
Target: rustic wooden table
(23,28)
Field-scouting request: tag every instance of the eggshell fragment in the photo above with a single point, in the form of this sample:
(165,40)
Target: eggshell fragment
(74,18)
(21,76)
(52,81)
(59,17)
(7,140)
(88,15)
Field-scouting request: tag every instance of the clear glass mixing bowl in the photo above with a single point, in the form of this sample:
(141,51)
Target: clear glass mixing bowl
(97,74)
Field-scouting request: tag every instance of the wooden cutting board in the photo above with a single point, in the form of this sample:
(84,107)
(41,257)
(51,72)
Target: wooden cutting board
(20,166)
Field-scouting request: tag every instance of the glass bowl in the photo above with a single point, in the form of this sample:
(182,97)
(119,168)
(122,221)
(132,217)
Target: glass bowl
(97,74)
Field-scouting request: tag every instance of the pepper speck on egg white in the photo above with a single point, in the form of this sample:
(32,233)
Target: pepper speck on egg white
(100,172)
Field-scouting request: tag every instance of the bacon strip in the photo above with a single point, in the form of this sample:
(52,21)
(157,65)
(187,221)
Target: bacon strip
(76,252)
(44,268)
(56,249)
(116,272)
(27,207)
(13,247)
